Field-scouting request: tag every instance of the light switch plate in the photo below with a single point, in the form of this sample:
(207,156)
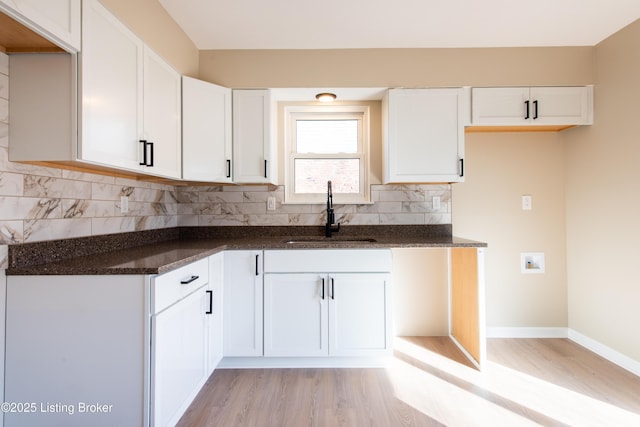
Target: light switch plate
(435,201)
(124,204)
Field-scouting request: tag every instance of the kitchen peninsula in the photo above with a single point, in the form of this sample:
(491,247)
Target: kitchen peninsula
(106,307)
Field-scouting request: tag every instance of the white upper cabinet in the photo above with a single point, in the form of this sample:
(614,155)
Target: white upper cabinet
(131,99)
(423,135)
(56,20)
(111,90)
(534,106)
(162,96)
(206,131)
(254,148)
(124,113)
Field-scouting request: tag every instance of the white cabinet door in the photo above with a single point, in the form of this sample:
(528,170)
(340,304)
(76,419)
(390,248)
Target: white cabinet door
(214,311)
(206,131)
(57,20)
(131,99)
(532,106)
(359,314)
(424,135)
(254,156)
(502,106)
(178,357)
(562,105)
(242,304)
(295,315)
(162,117)
(111,82)
(338,314)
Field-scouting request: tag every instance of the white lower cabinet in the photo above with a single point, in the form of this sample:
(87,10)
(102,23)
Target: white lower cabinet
(344,312)
(75,341)
(359,314)
(179,339)
(178,357)
(214,293)
(125,350)
(242,304)
(296,314)
(335,314)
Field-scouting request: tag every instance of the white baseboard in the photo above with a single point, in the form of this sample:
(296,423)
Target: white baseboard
(303,362)
(527,332)
(598,348)
(608,353)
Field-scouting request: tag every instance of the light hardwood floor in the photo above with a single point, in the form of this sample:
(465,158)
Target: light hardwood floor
(551,382)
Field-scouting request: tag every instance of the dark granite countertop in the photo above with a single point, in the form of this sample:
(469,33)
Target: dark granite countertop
(159,251)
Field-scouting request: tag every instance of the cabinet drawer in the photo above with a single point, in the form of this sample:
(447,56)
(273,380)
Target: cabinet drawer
(324,260)
(177,284)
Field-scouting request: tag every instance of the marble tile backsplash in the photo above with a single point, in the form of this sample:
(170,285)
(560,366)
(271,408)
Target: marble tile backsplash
(42,203)
(247,205)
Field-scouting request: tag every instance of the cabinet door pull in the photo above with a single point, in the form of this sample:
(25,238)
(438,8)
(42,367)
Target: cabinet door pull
(228,168)
(144,152)
(461,168)
(535,109)
(333,289)
(265,168)
(257,259)
(151,154)
(189,280)
(323,288)
(526,116)
(147,148)
(210,310)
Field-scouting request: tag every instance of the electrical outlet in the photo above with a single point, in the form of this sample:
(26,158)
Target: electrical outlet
(271,204)
(124,204)
(527,202)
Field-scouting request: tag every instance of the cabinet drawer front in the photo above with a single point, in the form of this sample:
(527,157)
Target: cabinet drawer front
(170,287)
(324,260)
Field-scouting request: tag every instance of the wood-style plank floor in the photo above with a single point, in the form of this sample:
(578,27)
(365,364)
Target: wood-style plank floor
(551,382)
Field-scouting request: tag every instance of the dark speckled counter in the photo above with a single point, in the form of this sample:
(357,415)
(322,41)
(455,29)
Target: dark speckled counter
(159,251)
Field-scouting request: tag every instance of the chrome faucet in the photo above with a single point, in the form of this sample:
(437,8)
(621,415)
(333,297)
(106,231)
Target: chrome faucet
(331,218)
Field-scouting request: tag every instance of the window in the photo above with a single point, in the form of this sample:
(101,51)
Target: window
(327,143)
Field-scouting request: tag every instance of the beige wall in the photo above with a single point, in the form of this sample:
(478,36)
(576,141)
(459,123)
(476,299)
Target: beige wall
(420,295)
(397,67)
(149,20)
(500,167)
(603,202)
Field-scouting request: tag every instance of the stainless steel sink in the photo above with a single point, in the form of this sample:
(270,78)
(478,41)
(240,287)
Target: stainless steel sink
(328,240)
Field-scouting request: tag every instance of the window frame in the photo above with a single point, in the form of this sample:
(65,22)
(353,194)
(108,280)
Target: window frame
(292,113)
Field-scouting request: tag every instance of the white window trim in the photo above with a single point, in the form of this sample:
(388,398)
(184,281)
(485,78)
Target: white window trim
(293,112)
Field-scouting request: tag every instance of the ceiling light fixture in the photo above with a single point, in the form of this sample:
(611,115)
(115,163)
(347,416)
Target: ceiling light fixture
(326,97)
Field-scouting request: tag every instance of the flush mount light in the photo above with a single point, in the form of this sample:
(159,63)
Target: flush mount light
(326,97)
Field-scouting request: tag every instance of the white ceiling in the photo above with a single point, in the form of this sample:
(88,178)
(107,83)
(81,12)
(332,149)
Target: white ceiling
(334,24)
